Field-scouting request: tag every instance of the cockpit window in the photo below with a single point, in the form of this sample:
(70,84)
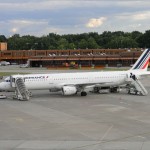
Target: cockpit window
(7,80)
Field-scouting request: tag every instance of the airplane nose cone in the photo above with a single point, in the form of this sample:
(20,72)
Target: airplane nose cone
(2,86)
(5,86)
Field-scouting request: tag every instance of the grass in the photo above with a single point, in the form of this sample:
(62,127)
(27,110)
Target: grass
(104,69)
(115,69)
(10,73)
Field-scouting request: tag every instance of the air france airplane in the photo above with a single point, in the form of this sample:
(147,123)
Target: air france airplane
(72,83)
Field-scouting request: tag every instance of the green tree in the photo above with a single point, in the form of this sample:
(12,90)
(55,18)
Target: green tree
(144,40)
(135,34)
(91,40)
(3,38)
(63,44)
(71,46)
(122,42)
(104,39)
(92,43)
(82,44)
(13,42)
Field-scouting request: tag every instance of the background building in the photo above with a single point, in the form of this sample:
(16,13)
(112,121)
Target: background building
(3,46)
(72,58)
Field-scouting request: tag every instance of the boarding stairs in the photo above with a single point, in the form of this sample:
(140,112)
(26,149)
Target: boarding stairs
(21,91)
(136,87)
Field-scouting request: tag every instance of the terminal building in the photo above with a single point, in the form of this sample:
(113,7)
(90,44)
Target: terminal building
(75,57)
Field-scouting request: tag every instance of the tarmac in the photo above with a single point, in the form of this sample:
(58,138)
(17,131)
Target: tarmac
(50,121)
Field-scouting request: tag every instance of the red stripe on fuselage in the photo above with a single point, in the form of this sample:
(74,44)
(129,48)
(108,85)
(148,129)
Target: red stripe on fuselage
(145,64)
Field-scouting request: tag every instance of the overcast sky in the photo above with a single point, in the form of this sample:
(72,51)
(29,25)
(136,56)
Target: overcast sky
(40,17)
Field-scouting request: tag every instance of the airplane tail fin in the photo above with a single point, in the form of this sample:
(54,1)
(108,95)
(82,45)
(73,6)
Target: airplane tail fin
(143,61)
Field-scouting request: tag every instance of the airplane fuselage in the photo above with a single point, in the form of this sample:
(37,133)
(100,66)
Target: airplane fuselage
(48,81)
(57,81)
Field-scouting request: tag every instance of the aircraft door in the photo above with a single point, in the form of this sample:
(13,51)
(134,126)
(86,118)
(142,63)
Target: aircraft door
(12,81)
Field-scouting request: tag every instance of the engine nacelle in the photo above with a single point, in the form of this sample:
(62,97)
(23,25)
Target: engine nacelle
(69,90)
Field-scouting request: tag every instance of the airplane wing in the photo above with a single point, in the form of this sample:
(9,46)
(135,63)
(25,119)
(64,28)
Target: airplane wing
(87,86)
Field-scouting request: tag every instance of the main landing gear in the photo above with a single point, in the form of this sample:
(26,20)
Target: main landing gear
(83,93)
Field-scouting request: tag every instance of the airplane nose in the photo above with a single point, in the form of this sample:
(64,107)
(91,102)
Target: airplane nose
(5,86)
(2,86)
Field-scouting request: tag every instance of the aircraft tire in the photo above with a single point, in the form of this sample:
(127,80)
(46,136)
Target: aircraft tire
(83,93)
(96,90)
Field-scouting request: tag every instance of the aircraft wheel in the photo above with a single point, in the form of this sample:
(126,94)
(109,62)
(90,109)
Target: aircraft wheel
(83,93)
(96,90)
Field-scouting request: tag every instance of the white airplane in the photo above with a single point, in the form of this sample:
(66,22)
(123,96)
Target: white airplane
(72,83)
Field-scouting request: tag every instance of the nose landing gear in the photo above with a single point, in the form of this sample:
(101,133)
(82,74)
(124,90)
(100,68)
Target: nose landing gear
(83,93)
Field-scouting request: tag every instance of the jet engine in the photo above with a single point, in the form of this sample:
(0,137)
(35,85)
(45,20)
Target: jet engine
(69,90)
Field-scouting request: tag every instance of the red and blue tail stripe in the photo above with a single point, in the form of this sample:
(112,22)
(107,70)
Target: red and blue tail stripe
(143,61)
